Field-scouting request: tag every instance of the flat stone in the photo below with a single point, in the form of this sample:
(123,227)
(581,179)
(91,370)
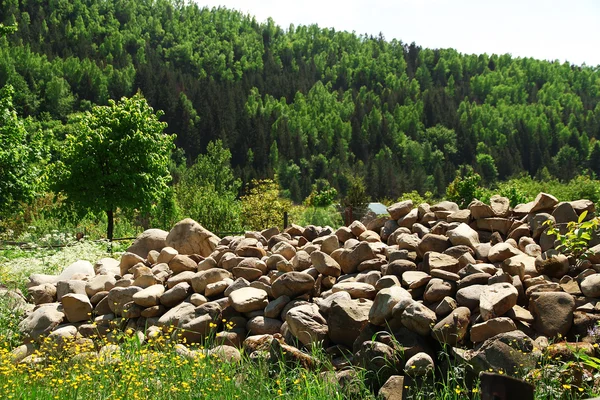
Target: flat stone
(485,330)
(248,299)
(357,290)
(415,279)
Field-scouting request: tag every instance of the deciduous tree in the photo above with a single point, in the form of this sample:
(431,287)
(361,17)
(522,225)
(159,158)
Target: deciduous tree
(117,158)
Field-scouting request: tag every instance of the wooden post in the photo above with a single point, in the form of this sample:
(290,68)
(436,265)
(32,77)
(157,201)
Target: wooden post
(285,220)
(348,216)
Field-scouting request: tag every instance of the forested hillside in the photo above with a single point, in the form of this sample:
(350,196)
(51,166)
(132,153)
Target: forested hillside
(303,103)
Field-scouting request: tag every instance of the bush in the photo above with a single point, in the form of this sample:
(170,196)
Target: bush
(208,191)
(321,216)
(465,187)
(262,207)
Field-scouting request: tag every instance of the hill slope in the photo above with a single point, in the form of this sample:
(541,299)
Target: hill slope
(306,103)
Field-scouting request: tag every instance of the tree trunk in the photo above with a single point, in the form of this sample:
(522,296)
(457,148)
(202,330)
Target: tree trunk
(110,227)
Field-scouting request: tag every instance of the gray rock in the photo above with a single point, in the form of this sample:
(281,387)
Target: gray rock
(497,299)
(307,325)
(418,318)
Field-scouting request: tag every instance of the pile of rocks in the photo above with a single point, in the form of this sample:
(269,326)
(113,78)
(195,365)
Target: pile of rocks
(384,295)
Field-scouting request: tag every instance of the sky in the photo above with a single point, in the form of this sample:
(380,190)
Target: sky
(564,30)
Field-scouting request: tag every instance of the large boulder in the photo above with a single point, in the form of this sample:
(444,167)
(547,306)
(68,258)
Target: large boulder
(463,234)
(552,312)
(292,284)
(189,237)
(41,322)
(150,239)
(306,324)
(497,299)
(346,319)
(248,299)
(506,352)
(77,307)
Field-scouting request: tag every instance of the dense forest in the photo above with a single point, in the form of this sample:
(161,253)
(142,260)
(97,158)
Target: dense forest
(303,104)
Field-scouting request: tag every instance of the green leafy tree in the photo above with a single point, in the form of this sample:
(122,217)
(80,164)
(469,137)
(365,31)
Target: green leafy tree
(117,158)
(487,166)
(19,157)
(262,207)
(465,187)
(594,159)
(208,191)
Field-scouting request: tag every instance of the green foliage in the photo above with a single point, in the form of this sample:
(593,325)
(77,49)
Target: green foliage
(208,191)
(20,156)
(465,187)
(575,241)
(527,188)
(262,206)
(487,166)
(416,197)
(304,103)
(320,216)
(356,196)
(322,195)
(117,157)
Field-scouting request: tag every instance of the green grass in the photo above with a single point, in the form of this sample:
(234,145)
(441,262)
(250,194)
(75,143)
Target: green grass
(17,264)
(155,370)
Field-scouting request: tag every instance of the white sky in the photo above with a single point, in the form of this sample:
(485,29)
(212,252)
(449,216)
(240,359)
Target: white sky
(544,29)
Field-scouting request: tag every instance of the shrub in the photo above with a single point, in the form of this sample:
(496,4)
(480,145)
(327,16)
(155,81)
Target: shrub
(262,207)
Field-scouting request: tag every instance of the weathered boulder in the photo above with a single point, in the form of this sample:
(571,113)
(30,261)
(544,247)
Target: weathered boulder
(385,300)
(497,299)
(552,312)
(453,328)
(292,284)
(399,210)
(346,319)
(189,237)
(248,299)
(150,239)
(463,234)
(41,321)
(418,318)
(307,325)
(150,296)
(492,327)
(325,264)
(77,307)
